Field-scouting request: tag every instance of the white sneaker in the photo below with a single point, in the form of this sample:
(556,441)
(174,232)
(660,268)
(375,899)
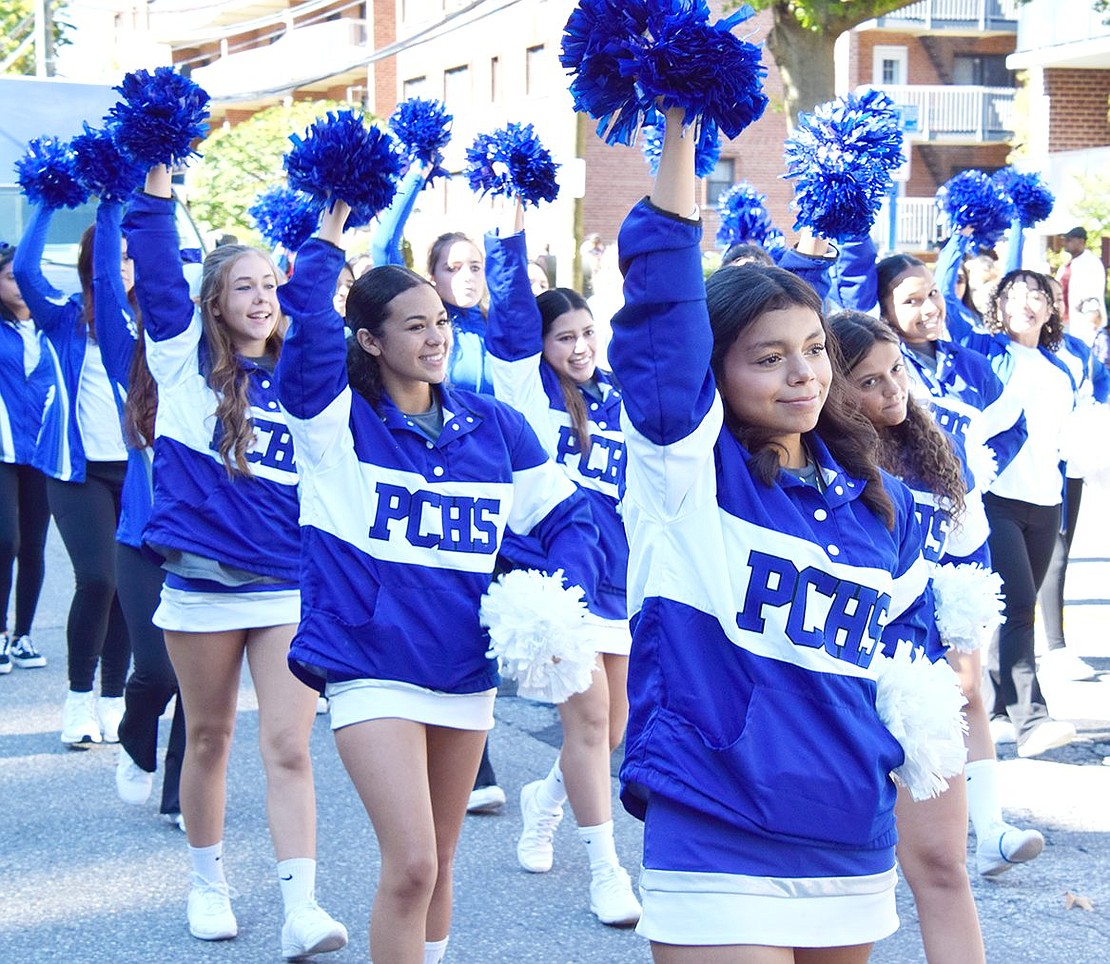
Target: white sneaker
(1005,846)
(79,723)
(486,799)
(110,711)
(309,930)
(175,820)
(1002,730)
(1063,664)
(1046,736)
(133,783)
(24,655)
(210,916)
(611,897)
(5,654)
(535,849)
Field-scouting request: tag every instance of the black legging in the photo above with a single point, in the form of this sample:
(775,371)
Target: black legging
(152,683)
(87,514)
(24,520)
(1051,597)
(1021,541)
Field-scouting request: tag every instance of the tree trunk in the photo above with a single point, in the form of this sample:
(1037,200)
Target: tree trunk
(805,61)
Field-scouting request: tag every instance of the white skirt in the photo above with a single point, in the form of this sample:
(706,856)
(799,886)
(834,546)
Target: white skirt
(699,909)
(610,636)
(360,700)
(213,612)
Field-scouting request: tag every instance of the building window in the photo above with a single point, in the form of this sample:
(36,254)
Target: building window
(720,180)
(414,87)
(534,69)
(981,70)
(495,79)
(889,68)
(456,86)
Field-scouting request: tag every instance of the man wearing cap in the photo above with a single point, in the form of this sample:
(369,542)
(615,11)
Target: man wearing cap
(1083,277)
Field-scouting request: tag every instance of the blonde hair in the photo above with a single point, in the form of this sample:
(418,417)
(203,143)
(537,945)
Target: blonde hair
(220,362)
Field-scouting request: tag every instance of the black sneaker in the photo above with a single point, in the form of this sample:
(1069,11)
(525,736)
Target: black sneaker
(24,654)
(5,659)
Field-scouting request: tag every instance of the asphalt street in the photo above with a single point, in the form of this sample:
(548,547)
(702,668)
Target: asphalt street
(86,879)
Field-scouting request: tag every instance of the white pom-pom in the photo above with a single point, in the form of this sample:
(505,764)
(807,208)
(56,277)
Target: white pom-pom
(982,462)
(1082,444)
(969,603)
(536,629)
(920,703)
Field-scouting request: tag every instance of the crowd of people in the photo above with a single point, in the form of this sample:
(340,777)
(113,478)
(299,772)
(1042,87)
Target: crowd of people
(324,472)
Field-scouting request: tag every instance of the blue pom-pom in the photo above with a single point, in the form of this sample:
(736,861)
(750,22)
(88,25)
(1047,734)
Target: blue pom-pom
(707,150)
(340,157)
(513,163)
(842,156)
(972,200)
(423,126)
(627,56)
(47,176)
(744,217)
(285,217)
(160,117)
(1031,196)
(103,168)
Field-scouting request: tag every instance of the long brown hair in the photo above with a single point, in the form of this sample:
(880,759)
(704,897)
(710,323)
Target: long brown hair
(553,304)
(141,405)
(85,267)
(222,369)
(736,299)
(916,450)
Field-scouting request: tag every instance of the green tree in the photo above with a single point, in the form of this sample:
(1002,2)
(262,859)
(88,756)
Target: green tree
(17,25)
(802,39)
(239,163)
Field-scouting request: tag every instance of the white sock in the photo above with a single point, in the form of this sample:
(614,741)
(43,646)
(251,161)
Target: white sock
(552,793)
(208,862)
(297,877)
(601,849)
(982,796)
(435,951)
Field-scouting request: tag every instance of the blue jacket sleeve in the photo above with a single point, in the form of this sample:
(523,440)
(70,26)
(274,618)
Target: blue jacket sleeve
(385,242)
(50,308)
(162,289)
(1100,379)
(1014,248)
(514,329)
(812,269)
(958,318)
(312,370)
(661,337)
(115,321)
(855,284)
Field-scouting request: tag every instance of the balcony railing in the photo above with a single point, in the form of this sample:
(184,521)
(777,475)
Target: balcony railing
(958,113)
(995,15)
(917,227)
(301,55)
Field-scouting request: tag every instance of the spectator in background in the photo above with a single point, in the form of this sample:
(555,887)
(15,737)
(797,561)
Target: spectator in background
(1083,277)
(591,253)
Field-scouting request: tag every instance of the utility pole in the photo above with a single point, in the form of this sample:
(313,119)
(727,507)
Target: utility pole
(44,39)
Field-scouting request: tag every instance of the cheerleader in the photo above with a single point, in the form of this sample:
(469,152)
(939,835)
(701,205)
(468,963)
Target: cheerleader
(544,361)
(407,487)
(766,555)
(81,451)
(225,520)
(1023,503)
(932,834)
(26,379)
(457,272)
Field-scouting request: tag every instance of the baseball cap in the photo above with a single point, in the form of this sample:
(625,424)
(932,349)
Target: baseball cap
(1078,233)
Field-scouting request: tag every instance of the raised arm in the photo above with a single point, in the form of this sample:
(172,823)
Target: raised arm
(50,308)
(385,242)
(115,321)
(855,283)
(811,260)
(1014,248)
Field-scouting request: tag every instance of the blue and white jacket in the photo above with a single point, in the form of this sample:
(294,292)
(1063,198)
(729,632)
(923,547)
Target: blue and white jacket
(469,365)
(23,395)
(248,523)
(60,452)
(758,609)
(401,533)
(524,380)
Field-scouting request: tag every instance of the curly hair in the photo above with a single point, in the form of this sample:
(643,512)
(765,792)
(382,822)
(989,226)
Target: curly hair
(1052,331)
(736,299)
(916,450)
(223,371)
